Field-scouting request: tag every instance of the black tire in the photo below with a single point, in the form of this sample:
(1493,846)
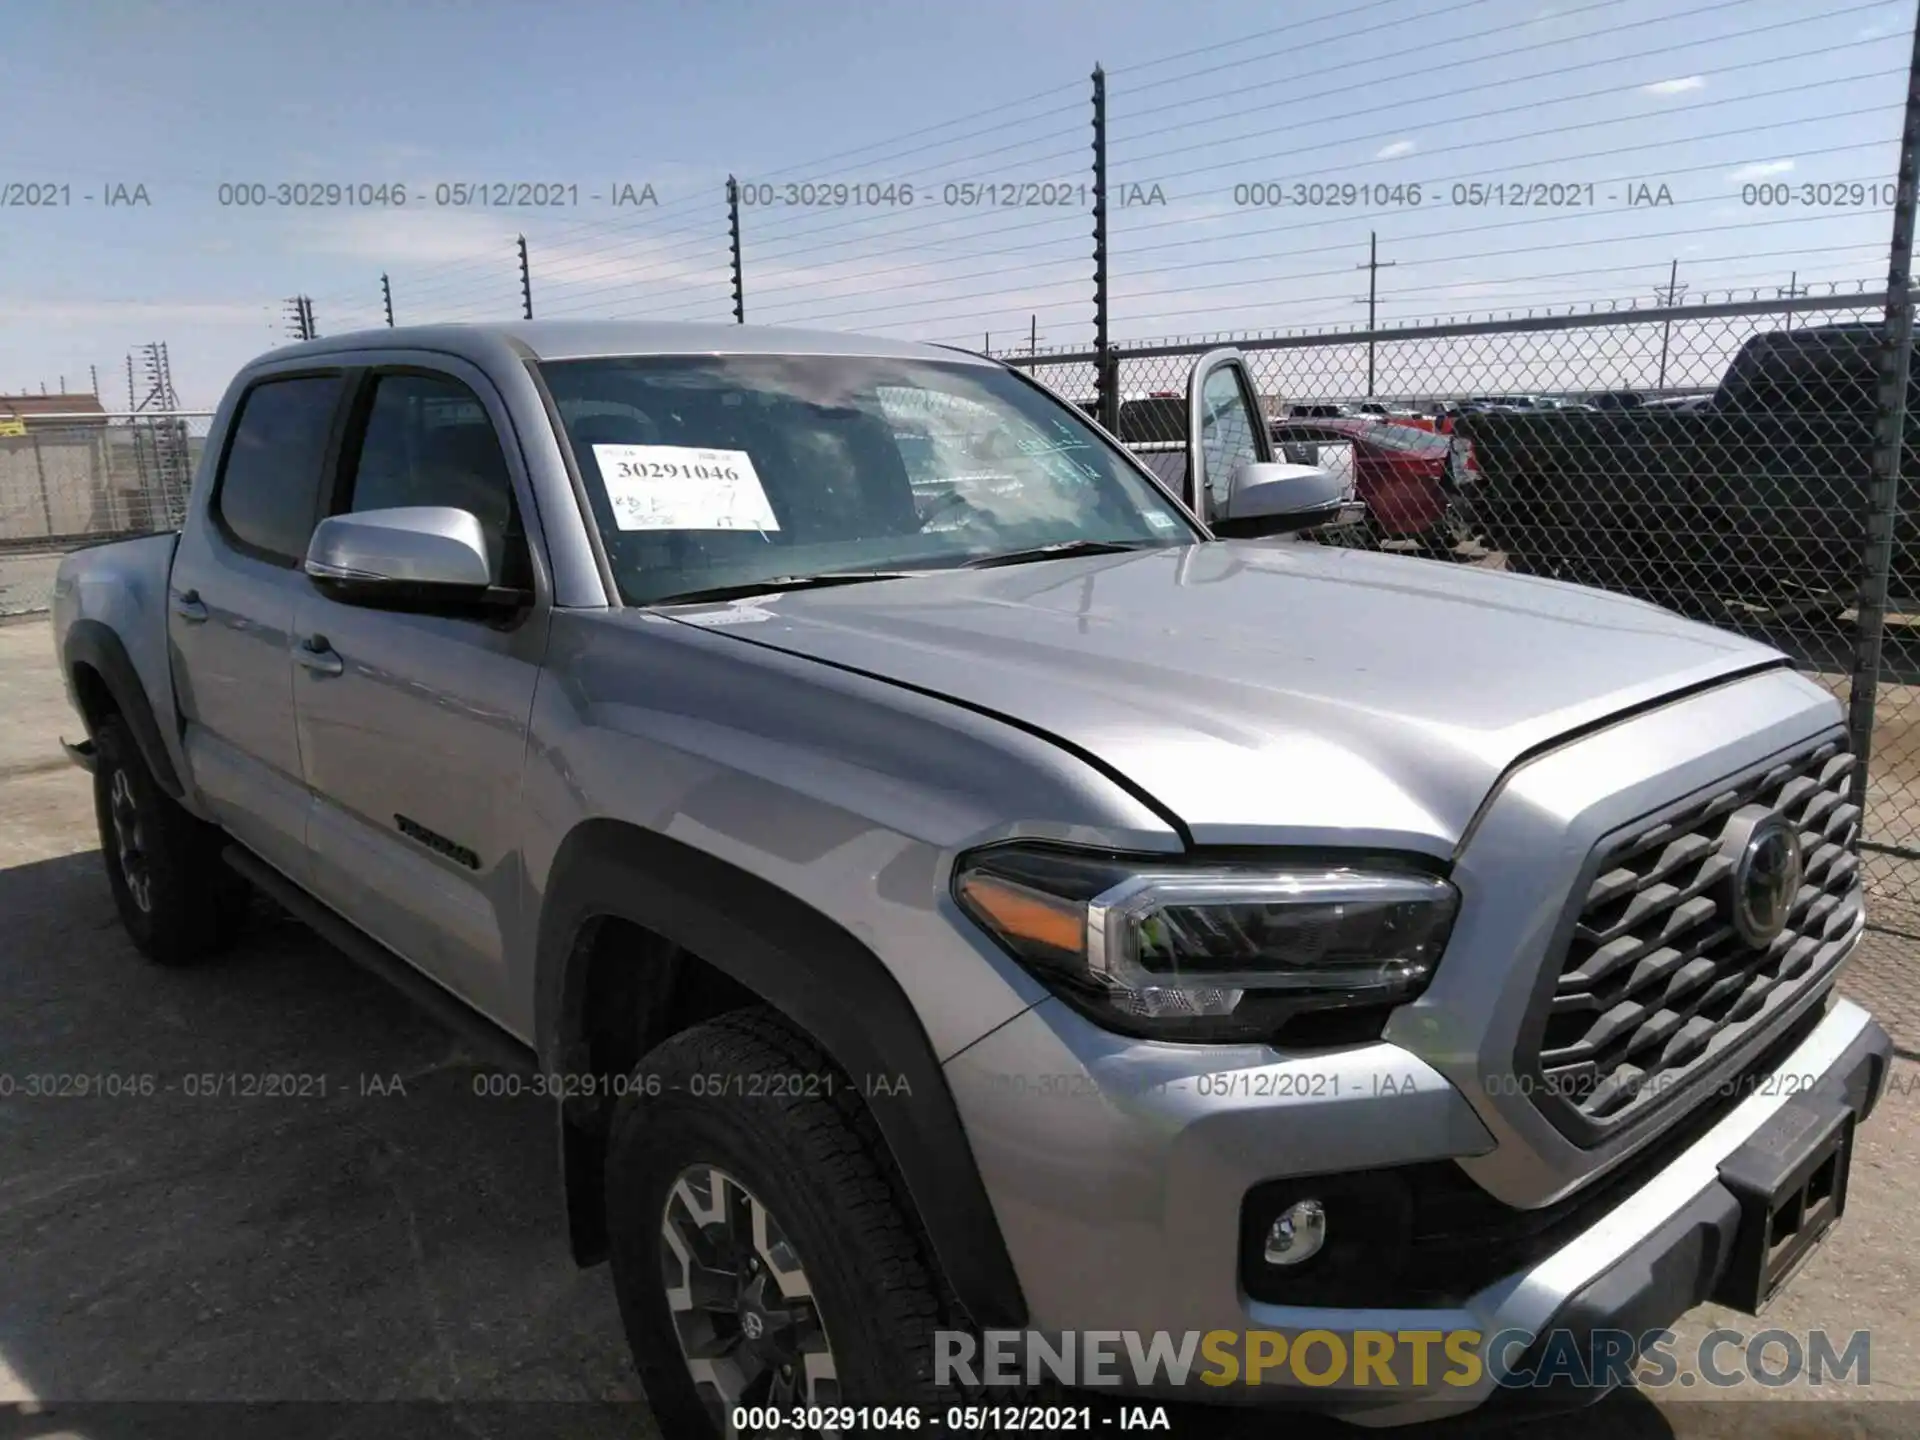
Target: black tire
(1439,542)
(177,899)
(746,1096)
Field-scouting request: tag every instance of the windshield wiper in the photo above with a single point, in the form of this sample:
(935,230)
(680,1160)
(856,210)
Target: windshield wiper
(778,584)
(1060,550)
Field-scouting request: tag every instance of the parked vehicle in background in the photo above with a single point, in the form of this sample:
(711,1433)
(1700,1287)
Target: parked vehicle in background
(1713,505)
(1153,419)
(1618,400)
(945,888)
(1407,477)
(1317,410)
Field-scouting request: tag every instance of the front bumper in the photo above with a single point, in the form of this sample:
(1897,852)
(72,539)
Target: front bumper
(1117,1185)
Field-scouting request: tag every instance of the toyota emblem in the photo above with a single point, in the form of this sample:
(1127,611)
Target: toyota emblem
(1768,866)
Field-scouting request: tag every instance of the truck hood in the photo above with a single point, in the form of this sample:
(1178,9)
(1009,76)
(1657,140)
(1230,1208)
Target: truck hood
(1260,691)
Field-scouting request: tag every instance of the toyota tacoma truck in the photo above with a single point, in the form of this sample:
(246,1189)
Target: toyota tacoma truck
(956,883)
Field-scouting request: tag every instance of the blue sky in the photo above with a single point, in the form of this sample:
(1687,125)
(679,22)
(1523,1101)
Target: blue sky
(1704,97)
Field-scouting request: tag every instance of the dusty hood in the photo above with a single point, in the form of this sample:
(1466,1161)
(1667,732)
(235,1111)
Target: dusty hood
(1256,687)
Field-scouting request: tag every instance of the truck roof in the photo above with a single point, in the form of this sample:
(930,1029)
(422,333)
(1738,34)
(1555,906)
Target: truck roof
(580,339)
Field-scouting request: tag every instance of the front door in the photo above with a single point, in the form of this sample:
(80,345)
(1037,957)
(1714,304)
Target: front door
(413,727)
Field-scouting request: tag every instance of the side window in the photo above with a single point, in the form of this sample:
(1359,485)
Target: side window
(1227,440)
(268,495)
(428,441)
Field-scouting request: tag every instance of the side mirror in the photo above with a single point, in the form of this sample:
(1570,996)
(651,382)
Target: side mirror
(411,557)
(1268,498)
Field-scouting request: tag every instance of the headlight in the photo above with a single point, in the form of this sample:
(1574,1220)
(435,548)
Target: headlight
(1209,952)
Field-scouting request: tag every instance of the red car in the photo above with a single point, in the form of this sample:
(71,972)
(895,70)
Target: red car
(1408,475)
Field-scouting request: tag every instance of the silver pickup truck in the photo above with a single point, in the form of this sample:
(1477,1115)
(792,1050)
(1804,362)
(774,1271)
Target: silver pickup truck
(949,887)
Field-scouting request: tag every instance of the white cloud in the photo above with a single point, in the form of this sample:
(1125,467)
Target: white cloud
(408,237)
(1678,86)
(399,152)
(1394,151)
(1760,171)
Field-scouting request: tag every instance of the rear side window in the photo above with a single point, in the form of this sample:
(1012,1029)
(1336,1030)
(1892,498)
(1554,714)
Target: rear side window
(269,488)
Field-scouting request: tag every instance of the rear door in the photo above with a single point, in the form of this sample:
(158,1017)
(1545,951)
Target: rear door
(231,596)
(413,725)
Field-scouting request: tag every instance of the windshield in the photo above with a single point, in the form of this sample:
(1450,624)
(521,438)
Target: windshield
(708,471)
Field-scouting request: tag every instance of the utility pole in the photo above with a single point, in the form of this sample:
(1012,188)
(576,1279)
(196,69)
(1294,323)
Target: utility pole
(1793,292)
(94,371)
(386,299)
(1033,335)
(1373,267)
(1670,297)
(526,283)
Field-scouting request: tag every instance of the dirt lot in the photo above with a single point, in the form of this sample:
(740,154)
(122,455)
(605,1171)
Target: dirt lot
(26,582)
(384,1235)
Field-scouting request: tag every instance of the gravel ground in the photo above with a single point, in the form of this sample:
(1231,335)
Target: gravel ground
(361,1241)
(26,583)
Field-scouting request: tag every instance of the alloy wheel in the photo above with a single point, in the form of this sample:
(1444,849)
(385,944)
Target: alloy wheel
(129,841)
(743,1306)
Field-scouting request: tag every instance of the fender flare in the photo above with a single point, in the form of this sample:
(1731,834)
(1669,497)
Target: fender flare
(95,644)
(820,977)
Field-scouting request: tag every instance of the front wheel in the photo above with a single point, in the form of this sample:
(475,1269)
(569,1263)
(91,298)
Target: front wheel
(762,1253)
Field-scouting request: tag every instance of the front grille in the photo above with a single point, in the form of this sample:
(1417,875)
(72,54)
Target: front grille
(1656,984)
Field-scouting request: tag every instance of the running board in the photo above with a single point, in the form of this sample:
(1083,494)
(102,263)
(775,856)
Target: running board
(488,1042)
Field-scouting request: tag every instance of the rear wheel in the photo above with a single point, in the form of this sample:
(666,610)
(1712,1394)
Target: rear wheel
(762,1253)
(177,899)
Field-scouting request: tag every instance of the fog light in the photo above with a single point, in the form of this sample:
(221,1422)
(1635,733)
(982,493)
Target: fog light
(1298,1234)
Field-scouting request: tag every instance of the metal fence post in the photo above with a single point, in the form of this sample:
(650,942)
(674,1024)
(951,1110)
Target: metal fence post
(1889,443)
(526,283)
(733,248)
(1107,373)
(40,469)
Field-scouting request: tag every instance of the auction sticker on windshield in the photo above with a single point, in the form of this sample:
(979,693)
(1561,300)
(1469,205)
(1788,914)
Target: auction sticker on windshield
(679,487)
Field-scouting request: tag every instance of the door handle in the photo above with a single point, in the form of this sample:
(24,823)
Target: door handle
(315,654)
(187,605)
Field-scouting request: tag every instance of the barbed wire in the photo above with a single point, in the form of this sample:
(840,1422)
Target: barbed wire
(925,269)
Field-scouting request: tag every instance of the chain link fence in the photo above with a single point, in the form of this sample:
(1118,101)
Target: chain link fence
(1713,458)
(69,481)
